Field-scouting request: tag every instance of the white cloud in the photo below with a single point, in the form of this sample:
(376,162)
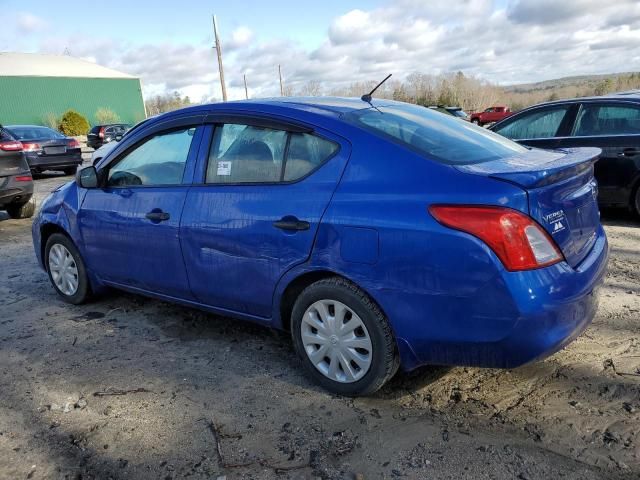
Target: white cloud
(29,23)
(241,37)
(527,40)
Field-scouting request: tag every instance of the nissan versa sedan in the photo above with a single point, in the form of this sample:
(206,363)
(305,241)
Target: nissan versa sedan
(379,234)
(47,149)
(610,122)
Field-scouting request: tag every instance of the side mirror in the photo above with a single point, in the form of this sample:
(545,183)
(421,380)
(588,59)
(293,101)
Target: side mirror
(87,177)
(118,137)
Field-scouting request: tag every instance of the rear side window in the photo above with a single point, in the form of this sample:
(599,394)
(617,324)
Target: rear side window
(443,138)
(535,124)
(248,154)
(306,153)
(607,120)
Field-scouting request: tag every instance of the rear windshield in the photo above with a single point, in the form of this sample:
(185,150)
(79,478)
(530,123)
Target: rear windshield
(5,135)
(441,137)
(35,133)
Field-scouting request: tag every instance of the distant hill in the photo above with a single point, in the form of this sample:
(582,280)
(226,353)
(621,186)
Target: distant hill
(574,81)
(523,95)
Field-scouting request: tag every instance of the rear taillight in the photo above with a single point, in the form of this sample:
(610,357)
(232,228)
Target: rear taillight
(11,146)
(518,241)
(101,132)
(30,146)
(24,178)
(73,143)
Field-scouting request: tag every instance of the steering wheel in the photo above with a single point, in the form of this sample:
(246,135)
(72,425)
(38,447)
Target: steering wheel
(124,179)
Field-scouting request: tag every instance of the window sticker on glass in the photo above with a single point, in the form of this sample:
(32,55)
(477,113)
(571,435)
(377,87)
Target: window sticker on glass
(224,168)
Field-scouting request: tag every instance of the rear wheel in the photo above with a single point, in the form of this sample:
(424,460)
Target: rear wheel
(66,269)
(635,203)
(343,339)
(22,210)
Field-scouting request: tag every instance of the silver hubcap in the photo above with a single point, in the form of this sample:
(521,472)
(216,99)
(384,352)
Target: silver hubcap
(336,341)
(64,270)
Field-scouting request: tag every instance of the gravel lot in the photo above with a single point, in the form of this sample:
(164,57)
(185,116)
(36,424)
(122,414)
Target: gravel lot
(128,387)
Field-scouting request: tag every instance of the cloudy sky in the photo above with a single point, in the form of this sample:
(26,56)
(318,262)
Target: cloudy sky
(333,42)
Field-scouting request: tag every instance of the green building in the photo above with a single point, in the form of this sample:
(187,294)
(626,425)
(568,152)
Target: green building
(34,86)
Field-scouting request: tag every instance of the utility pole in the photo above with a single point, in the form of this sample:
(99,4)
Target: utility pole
(218,47)
(280,75)
(246,92)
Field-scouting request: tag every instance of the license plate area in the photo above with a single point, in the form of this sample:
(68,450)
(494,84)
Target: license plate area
(55,150)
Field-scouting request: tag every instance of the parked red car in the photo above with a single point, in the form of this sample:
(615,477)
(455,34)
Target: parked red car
(490,115)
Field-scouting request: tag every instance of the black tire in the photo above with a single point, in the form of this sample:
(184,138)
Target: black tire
(385,360)
(70,170)
(83,292)
(476,121)
(635,202)
(22,210)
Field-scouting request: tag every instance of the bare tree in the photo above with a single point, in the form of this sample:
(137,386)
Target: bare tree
(166,103)
(313,88)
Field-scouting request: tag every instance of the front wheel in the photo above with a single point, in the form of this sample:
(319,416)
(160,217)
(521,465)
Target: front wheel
(70,170)
(66,269)
(343,339)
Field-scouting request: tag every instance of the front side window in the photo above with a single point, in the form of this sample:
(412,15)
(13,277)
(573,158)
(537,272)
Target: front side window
(607,120)
(249,154)
(158,161)
(443,138)
(535,124)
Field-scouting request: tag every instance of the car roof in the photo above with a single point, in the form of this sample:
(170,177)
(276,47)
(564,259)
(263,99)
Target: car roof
(28,126)
(327,105)
(631,95)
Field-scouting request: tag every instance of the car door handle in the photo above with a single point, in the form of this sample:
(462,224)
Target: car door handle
(291,223)
(629,152)
(157,216)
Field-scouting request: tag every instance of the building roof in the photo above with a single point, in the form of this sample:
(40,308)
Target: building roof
(43,65)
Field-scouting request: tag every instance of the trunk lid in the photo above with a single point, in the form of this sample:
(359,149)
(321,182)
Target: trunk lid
(562,193)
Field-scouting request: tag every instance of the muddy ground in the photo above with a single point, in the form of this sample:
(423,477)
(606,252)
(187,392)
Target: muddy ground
(128,387)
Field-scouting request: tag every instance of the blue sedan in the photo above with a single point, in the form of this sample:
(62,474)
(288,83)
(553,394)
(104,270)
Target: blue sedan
(380,234)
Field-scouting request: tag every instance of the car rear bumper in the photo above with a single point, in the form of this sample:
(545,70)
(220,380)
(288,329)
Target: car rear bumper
(549,307)
(43,162)
(12,191)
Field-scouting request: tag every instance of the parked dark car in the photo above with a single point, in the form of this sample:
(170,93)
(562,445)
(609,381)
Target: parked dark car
(101,134)
(610,122)
(16,184)
(47,149)
(380,234)
(455,111)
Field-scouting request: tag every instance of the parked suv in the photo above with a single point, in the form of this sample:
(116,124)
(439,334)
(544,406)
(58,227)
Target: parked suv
(490,115)
(101,134)
(610,122)
(16,184)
